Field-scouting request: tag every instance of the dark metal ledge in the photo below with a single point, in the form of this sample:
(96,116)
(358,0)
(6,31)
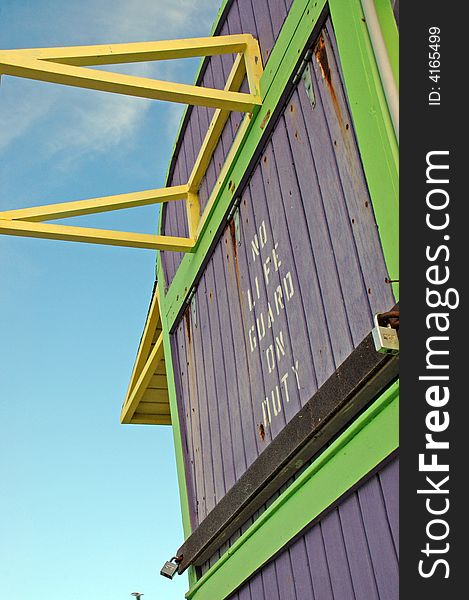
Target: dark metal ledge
(356,382)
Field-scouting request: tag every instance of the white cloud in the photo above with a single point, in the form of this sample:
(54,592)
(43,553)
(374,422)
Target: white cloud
(83,122)
(19,112)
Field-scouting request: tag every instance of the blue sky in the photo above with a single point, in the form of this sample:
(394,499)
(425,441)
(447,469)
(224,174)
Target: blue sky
(88,508)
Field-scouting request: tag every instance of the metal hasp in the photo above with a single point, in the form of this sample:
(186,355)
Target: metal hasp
(67,66)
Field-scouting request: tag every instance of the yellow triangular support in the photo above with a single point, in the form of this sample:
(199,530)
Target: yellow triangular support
(67,66)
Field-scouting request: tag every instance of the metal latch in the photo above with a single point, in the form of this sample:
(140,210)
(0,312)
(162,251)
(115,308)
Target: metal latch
(385,332)
(170,567)
(307,78)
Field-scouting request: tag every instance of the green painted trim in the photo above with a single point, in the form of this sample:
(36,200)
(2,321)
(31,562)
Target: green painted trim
(301,19)
(176,426)
(176,433)
(363,446)
(390,31)
(373,126)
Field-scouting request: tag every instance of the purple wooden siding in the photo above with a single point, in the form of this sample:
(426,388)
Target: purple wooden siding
(273,316)
(263,19)
(351,554)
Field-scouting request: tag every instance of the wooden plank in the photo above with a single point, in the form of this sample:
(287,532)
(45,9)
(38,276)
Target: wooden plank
(317,559)
(358,554)
(238,327)
(270,582)
(260,221)
(234,26)
(180,215)
(205,433)
(170,225)
(219,153)
(265,34)
(309,337)
(292,319)
(246,277)
(285,580)
(256,587)
(195,416)
(304,156)
(161,368)
(178,351)
(378,535)
(226,65)
(301,571)
(152,395)
(220,435)
(356,193)
(345,251)
(336,556)
(389,481)
(153,408)
(239,456)
(310,253)
(141,419)
(222,405)
(277,13)
(158,382)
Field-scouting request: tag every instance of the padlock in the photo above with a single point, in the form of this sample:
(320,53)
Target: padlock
(170,568)
(385,337)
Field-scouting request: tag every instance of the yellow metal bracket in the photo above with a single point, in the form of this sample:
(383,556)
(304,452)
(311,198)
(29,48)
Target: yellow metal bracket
(67,66)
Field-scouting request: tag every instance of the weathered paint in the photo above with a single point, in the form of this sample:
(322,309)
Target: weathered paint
(304,257)
(263,20)
(350,554)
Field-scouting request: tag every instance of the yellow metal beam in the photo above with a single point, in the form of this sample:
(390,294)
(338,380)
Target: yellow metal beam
(128,85)
(222,175)
(96,205)
(113,54)
(253,59)
(216,126)
(193,213)
(95,236)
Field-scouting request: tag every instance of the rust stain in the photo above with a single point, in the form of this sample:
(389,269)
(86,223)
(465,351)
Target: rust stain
(265,119)
(187,319)
(234,244)
(320,52)
(261,431)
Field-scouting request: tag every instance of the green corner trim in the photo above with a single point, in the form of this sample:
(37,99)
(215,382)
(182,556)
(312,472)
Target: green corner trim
(176,426)
(373,126)
(390,32)
(363,446)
